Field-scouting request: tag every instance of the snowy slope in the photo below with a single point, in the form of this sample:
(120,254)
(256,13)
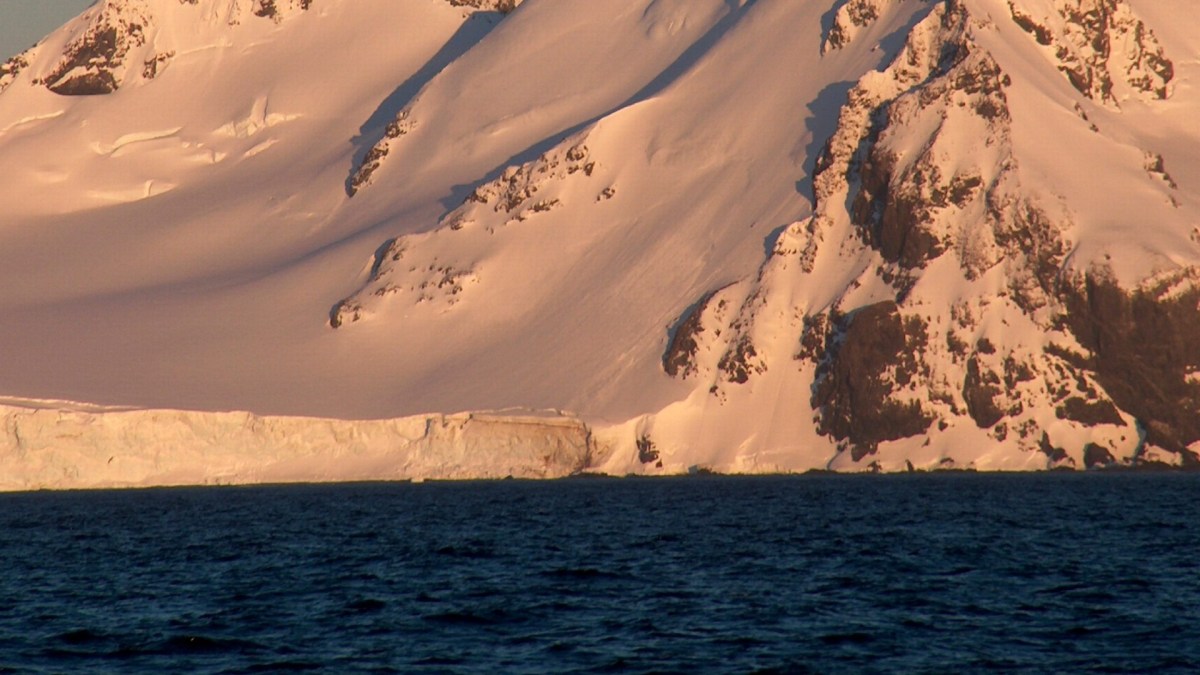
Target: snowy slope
(752,236)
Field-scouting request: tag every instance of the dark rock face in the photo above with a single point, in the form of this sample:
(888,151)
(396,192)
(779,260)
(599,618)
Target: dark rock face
(1082,37)
(265,8)
(502,6)
(853,15)
(873,353)
(1055,454)
(398,127)
(898,203)
(980,391)
(739,361)
(680,358)
(96,62)
(1044,35)
(269,9)
(647,453)
(1096,457)
(89,84)
(1089,412)
(87,66)
(10,69)
(1029,233)
(1144,344)
(894,219)
(153,66)
(813,337)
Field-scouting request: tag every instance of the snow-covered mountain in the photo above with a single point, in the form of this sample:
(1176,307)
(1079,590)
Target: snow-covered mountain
(746,235)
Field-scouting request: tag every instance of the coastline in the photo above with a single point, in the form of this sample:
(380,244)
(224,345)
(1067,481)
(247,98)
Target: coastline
(59,445)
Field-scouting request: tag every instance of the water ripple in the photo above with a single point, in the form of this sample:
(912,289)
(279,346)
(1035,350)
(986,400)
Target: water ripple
(927,573)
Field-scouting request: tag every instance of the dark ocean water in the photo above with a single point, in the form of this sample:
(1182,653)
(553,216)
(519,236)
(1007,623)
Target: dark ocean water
(915,573)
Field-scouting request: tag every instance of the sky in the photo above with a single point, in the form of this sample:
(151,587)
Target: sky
(24,22)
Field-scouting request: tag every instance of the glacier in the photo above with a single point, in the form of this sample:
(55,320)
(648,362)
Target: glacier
(62,445)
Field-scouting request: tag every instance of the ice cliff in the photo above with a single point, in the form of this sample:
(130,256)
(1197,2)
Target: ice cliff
(72,447)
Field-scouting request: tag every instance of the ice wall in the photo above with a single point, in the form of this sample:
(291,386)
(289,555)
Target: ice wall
(71,447)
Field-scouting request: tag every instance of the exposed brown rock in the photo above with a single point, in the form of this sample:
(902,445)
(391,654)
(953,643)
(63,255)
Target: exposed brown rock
(1016,372)
(647,453)
(680,358)
(852,16)
(153,66)
(1083,48)
(86,67)
(738,362)
(1145,344)
(88,84)
(813,337)
(898,201)
(1089,412)
(270,9)
(502,6)
(10,69)
(1025,230)
(895,219)
(871,351)
(398,127)
(1027,24)
(1055,454)
(980,391)
(1097,457)
(265,8)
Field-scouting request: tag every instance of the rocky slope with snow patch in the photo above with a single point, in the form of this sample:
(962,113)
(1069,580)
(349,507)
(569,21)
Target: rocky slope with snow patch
(118,42)
(745,236)
(967,303)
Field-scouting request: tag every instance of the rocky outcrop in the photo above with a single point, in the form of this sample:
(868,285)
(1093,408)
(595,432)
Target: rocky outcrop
(849,20)
(922,174)
(374,158)
(1143,349)
(515,192)
(502,6)
(94,62)
(932,66)
(1096,457)
(911,205)
(407,267)
(512,193)
(11,69)
(680,358)
(866,386)
(435,282)
(1102,47)
(277,9)
(981,392)
(118,41)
